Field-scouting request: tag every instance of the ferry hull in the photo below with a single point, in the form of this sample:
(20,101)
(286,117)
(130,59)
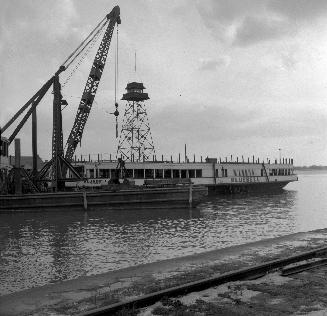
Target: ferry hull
(124,199)
(247,188)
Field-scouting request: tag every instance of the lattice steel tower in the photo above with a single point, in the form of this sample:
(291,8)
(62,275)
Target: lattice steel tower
(135,140)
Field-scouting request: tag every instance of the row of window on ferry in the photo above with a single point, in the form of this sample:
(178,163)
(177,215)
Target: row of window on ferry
(250,172)
(181,173)
(281,172)
(148,173)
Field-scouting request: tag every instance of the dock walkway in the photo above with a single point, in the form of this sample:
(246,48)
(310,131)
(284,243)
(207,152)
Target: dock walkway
(75,296)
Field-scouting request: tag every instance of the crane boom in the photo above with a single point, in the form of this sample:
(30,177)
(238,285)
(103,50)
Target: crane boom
(91,86)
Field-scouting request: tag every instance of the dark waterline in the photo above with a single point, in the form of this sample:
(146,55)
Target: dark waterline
(37,248)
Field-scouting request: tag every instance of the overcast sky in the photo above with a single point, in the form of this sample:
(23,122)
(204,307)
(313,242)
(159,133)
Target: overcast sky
(226,77)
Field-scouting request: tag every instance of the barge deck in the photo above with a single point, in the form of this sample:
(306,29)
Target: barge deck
(179,196)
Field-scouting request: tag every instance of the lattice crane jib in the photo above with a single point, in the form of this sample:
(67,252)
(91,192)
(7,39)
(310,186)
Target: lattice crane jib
(60,162)
(91,86)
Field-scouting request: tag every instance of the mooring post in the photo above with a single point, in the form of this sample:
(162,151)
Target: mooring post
(190,195)
(34,143)
(18,179)
(84,201)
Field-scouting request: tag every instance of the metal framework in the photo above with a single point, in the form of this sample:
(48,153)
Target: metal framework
(135,140)
(60,163)
(91,86)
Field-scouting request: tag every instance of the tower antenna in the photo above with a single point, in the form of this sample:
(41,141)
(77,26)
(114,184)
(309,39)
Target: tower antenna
(135,62)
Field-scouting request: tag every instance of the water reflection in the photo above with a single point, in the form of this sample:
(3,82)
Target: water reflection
(41,248)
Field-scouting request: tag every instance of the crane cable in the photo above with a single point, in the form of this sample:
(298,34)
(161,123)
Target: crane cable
(116,81)
(74,54)
(90,44)
(116,67)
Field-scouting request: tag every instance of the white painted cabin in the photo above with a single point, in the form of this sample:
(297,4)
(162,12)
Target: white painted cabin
(215,175)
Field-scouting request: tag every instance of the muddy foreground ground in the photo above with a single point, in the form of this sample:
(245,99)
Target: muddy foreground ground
(301,294)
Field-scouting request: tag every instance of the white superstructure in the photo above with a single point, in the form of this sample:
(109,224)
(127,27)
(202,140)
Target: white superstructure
(224,175)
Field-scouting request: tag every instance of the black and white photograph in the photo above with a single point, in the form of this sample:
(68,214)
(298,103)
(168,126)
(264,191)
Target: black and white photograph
(163,157)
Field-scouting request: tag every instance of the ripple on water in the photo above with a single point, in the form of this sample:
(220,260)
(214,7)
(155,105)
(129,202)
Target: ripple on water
(36,248)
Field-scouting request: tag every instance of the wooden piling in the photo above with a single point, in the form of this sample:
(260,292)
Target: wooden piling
(84,201)
(185,155)
(190,196)
(34,143)
(18,179)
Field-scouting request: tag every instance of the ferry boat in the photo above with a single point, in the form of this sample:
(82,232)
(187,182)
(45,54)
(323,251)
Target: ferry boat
(218,176)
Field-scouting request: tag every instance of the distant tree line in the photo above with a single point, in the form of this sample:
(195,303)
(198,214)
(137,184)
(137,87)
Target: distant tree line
(313,167)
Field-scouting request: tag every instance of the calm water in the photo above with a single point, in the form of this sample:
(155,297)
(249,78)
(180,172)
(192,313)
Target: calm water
(37,249)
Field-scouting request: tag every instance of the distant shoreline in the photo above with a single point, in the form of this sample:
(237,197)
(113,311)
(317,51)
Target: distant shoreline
(312,168)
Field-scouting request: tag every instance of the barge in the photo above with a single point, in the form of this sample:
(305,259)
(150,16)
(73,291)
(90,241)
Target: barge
(179,196)
(153,195)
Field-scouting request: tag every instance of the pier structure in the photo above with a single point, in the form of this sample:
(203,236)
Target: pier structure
(55,170)
(135,140)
